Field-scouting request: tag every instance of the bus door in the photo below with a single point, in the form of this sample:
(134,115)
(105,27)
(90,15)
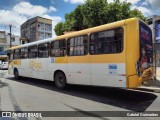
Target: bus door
(107,58)
(25,69)
(78,60)
(40,63)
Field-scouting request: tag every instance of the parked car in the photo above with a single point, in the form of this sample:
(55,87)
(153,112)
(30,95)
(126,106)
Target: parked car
(4,65)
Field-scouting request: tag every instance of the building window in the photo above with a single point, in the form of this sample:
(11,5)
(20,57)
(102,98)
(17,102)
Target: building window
(58,48)
(13,39)
(16,54)
(40,35)
(43,50)
(24,52)
(48,27)
(48,35)
(106,42)
(78,45)
(32,51)
(40,26)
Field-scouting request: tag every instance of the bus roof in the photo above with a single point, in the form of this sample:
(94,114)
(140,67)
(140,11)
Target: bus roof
(78,33)
(32,43)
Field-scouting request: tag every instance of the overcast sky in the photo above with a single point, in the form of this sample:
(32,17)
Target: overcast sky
(16,12)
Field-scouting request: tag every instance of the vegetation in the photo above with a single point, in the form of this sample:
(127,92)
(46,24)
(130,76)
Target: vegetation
(97,12)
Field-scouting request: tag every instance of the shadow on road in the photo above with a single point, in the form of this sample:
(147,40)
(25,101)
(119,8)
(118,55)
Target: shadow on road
(126,99)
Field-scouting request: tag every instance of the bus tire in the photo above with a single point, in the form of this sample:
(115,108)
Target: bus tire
(60,80)
(16,74)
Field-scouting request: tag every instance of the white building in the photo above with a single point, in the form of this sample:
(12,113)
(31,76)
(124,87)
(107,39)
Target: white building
(2,34)
(14,40)
(5,43)
(3,46)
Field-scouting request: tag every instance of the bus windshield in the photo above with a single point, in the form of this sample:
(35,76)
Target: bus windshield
(146,47)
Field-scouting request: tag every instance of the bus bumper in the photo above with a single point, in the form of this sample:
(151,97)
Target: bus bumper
(135,81)
(147,76)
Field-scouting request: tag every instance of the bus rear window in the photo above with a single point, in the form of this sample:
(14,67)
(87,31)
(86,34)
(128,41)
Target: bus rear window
(146,47)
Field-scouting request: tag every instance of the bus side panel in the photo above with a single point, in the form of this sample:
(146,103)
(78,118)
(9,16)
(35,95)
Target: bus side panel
(14,64)
(53,64)
(102,75)
(109,69)
(37,67)
(33,68)
(25,70)
(79,70)
(132,47)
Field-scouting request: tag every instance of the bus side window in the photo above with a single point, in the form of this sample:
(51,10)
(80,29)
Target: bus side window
(43,50)
(58,48)
(107,42)
(16,54)
(24,52)
(78,45)
(32,51)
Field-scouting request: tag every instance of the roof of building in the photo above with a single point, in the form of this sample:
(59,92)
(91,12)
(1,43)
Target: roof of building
(2,31)
(33,19)
(153,17)
(43,18)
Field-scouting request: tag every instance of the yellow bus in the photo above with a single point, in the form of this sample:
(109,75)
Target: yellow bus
(118,54)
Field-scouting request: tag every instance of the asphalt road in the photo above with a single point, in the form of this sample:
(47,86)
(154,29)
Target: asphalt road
(29,94)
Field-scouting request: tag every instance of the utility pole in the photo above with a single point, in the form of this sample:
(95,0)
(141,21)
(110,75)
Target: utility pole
(10,33)
(10,29)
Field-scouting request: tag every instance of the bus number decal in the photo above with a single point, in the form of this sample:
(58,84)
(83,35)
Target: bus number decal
(112,69)
(52,60)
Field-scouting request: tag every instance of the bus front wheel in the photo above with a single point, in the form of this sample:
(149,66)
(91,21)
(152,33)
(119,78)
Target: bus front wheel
(16,74)
(60,80)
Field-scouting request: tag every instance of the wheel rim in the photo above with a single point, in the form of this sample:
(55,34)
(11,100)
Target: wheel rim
(60,80)
(16,74)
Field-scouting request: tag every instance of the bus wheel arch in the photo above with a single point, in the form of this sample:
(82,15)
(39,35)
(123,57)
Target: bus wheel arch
(60,79)
(16,73)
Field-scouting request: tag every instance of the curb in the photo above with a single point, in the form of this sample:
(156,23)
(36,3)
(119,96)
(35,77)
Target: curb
(149,89)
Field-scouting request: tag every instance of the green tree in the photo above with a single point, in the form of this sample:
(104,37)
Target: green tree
(117,11)
(138,14)
(94,12)
(97,12)
(78,17)
(59,28)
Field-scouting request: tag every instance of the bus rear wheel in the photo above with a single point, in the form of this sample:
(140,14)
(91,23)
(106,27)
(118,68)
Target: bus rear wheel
(60,80)
(16,74)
